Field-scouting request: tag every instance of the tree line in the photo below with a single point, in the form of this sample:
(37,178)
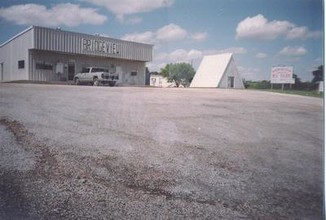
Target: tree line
(317,76)
(183,73)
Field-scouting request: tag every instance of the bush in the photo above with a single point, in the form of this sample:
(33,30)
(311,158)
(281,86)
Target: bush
(258,84)
(267,85)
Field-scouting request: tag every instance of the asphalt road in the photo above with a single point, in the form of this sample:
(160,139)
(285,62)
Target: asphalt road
(82,152)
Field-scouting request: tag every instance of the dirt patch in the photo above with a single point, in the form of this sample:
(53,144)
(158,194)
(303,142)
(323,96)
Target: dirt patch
(45,158)
(20,188)
(16,128)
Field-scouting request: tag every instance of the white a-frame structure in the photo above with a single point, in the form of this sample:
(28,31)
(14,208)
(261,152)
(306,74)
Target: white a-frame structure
(218,71)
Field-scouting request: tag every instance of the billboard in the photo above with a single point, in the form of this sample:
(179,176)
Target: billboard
(282,75)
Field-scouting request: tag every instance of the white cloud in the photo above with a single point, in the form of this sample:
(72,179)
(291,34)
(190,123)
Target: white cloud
(171,32)
(302,33)
(199,36)
(179,55)
(156,67)
(234,50)
(192,56)
(249,73)
(146,37)
(127,7)
(182,55)
(261,55)
(61,14)
(167,33)
(293,51)
(318,60)
(258,27)
(134,20)
(195,54)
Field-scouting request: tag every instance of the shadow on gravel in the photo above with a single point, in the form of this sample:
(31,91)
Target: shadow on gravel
(17,186)
(70,186)
(13,202)
(14,205)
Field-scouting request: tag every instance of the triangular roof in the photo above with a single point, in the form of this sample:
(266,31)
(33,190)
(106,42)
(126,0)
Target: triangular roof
(211,70)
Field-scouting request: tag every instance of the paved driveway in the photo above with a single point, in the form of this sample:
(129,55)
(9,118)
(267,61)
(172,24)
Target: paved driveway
(82,152)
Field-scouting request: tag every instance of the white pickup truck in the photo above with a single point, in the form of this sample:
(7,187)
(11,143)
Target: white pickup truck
(96,76)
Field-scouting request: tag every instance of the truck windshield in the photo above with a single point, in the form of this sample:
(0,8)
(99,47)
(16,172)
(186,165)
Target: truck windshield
(85,70)
(99,70)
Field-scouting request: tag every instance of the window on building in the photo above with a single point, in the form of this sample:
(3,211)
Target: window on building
(113,68)
(21,64)
(134,73)
(1,71)
(44,66)
(94,70)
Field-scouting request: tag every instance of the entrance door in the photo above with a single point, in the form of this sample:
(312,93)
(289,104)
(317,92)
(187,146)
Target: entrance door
(71,71)
(1,72)
(231,82)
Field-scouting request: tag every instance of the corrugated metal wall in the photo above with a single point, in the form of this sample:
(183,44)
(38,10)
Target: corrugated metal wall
(124,67)
(32,44)
(12,51)
(70,42)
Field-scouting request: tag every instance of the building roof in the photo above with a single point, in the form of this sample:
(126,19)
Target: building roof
(49,39)
(211,70)
(16,36)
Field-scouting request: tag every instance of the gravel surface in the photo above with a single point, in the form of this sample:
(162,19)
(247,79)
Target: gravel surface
(82,152)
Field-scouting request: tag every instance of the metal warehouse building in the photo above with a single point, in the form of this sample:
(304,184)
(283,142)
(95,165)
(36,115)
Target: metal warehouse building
(45,54)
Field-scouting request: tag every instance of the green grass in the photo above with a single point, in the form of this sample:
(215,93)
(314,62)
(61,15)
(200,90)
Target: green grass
(311,93)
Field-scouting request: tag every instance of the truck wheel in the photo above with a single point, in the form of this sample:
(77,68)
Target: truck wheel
(112,83)
(77,81)
(96,82)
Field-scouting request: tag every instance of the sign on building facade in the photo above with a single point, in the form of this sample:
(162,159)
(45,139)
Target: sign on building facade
(100,46)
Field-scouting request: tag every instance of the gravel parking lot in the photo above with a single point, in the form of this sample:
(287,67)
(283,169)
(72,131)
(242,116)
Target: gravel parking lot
(82,152)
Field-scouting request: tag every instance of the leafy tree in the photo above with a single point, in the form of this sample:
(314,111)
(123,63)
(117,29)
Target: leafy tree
(154,73)
(297,82)
(318,75)
(180,73)
(258,84)
(246,83)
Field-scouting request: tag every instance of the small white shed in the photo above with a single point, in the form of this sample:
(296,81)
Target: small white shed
(320,86)
(160,81)
(218,71)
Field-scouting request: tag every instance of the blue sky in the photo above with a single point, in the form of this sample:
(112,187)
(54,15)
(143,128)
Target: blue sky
(260,33)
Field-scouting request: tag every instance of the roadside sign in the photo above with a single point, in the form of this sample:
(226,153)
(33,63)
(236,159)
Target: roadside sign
(282,75)
(320,86)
